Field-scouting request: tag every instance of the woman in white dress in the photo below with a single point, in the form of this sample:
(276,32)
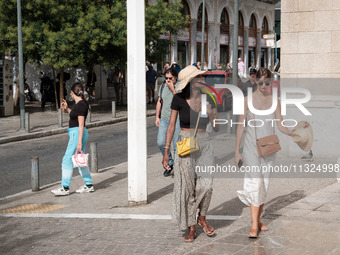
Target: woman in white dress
(256,183)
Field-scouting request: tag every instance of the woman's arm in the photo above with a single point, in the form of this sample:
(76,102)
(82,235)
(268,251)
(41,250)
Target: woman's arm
(212,113)
(239,133)
(81,121)
(278,116)
(158,110)
(169,135)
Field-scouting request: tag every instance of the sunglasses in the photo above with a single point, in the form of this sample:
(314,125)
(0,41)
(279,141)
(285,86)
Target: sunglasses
(261,83)
(169,78)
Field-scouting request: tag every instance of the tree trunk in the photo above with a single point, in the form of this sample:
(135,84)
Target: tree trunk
(61,84)
(55,88)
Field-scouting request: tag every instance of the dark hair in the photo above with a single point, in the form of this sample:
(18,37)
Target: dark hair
(186,92)
(171,71)
(78,90)
(263,72)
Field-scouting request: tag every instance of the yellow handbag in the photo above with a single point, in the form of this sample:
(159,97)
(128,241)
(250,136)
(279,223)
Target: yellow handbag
(188,144)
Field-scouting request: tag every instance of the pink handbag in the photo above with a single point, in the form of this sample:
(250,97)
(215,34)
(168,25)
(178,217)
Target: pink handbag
(80,160)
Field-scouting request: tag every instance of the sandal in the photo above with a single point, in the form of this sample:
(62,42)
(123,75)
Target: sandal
(262,226)
(208,230)
(253,233)
(191,236)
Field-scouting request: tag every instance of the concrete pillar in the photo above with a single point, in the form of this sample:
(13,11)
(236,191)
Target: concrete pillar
(137,142)
(246,50)
(193,43)
(231,43)
(174,49)
(271,55)
(218,43)
(211,45)
(258,49)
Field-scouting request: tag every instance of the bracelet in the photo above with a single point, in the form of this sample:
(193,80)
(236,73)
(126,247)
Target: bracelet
(166,147)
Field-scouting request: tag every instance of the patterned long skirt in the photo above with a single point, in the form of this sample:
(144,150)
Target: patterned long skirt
(191,190)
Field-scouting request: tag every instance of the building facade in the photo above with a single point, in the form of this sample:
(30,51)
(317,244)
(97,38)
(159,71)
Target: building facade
(256,18)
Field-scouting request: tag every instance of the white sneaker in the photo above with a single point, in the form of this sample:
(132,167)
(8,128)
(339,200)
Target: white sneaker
(60,191)
(85,189)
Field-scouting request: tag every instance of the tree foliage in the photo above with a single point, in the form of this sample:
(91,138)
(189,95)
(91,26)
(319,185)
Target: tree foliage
(83,33)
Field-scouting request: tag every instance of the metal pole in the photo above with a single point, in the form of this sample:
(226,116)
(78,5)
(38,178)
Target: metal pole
(113,109)
(21,69)
(137,142)
(27,122)
(35,173)
(275,49)
(235,55)
(60,118)
(94,158)
(202,43)
(235,43)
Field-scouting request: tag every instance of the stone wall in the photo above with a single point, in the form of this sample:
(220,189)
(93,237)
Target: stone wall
(310,48)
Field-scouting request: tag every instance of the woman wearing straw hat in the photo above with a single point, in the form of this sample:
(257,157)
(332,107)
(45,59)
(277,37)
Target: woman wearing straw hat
(191,191)
(256,182)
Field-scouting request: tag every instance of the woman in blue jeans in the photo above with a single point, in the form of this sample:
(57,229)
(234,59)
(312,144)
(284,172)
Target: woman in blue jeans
(165,95)
(78,136)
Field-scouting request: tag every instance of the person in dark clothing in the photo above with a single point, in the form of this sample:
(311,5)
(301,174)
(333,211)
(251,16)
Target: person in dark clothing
(251,83)
(91,82)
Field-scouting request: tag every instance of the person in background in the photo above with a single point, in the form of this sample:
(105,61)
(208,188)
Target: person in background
(78,137)
(228,68)
(177,67)
(251,83)
(116,79)
(219,67)
(205,66)
(198,64)
(240,67)
(91,82)
(151,77)
(166,67)
(165,95)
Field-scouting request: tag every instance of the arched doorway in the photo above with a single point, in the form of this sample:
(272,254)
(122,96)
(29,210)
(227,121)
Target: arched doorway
(224,35)
(252,42)
(264,49)
(199,34)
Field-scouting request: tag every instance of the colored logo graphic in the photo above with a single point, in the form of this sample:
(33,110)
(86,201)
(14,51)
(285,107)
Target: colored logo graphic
(211,95)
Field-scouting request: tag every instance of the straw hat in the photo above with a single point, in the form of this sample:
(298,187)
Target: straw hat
(302,136)
(186,75)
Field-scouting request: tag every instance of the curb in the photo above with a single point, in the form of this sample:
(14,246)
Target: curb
(58,131)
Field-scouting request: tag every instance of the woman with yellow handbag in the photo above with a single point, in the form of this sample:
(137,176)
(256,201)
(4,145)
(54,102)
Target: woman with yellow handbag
(191,191)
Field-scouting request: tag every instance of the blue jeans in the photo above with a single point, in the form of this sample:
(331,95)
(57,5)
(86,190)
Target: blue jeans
(163,126)
(67,165)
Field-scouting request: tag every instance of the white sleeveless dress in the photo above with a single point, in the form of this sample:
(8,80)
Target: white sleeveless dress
(256,182)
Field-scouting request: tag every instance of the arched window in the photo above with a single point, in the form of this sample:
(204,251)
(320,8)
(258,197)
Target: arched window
(265,24)
(200,17)
(224,17)
(224,21)
(240,20)
(252,23)
(185,9)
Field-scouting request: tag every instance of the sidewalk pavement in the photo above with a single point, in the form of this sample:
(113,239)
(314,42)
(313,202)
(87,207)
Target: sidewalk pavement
(44,122)
(305,221)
